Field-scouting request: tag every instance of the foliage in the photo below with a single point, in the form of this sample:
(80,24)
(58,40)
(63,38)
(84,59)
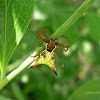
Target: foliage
(81,63)
(89,91)
(14,19)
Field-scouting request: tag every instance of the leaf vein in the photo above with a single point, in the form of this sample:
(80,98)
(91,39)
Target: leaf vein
(15,23)
(18,37)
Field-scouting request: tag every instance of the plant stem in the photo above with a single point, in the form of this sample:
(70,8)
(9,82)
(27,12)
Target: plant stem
(15,72)
(79,12)
(3,73)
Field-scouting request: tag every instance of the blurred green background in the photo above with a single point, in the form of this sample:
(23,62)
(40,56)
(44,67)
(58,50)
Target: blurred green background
(81,63)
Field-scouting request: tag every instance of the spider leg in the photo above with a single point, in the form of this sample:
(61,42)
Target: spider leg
(41,45)
(47,31)
(65,48)
(42,36)
(37,54)
(42,32)
(67,40)
(58,60)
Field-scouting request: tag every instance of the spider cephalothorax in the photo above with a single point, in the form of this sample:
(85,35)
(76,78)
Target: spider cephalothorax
(47,55)
(51,45)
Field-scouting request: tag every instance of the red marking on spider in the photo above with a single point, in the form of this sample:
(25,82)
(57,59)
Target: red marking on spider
(52,58)
(44,55)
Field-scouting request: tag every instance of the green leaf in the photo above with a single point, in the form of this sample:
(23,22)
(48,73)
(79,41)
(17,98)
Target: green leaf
(15,16)
(89,91)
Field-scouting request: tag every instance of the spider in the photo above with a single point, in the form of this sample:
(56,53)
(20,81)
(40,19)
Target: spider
(47,55)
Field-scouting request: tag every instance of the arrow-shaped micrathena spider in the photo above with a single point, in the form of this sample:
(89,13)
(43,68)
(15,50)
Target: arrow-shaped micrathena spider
(47,55)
